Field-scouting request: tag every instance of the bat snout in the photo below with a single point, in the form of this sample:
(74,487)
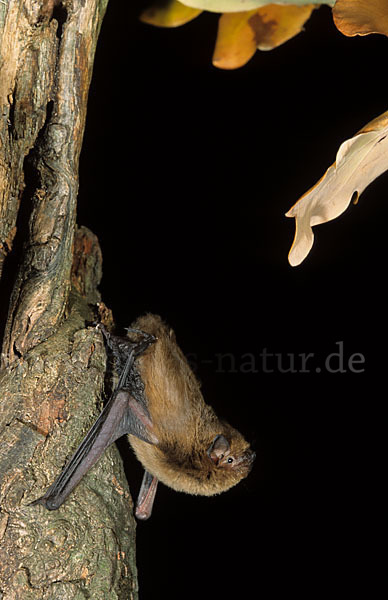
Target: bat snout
(250,456)
(245,461)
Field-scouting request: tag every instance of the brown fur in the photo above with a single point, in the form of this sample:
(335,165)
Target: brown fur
(184,425)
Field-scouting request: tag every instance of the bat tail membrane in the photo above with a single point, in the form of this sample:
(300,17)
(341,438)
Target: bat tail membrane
(123,414)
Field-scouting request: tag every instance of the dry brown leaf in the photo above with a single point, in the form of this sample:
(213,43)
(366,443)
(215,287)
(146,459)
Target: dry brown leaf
(359,161)
(240,34)
(361,17)
(170,14)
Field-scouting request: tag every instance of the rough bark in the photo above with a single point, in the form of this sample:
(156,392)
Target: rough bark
(53,365)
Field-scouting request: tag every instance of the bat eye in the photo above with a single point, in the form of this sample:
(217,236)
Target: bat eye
(230,459)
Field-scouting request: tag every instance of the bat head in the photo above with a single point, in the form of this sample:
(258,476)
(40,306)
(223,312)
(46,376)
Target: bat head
(230,460)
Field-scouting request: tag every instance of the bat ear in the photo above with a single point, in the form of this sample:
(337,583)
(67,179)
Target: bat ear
(218,448)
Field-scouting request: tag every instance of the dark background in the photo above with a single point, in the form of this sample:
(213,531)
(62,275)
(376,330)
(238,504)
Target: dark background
(185,176)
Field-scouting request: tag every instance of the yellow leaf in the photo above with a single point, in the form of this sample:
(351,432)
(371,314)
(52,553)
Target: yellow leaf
(236,42)
(359,161)
(169,14)
(240,34)
(361,17)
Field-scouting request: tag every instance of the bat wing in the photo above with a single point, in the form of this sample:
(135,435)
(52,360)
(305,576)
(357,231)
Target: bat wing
(122,415)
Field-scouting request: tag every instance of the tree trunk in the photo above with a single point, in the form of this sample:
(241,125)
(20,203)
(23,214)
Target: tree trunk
(53,365)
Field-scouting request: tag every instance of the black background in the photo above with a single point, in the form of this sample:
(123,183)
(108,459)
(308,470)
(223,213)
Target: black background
(186,173)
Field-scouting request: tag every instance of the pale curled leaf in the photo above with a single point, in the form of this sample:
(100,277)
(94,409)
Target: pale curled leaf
(240,34)
(170,14)
(361,17)
(359,161)
(223,6)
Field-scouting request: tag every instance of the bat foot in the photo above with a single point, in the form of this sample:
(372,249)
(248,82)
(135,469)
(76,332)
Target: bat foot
(145,500)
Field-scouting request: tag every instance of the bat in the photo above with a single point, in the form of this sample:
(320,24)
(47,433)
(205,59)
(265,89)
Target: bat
(175,435)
